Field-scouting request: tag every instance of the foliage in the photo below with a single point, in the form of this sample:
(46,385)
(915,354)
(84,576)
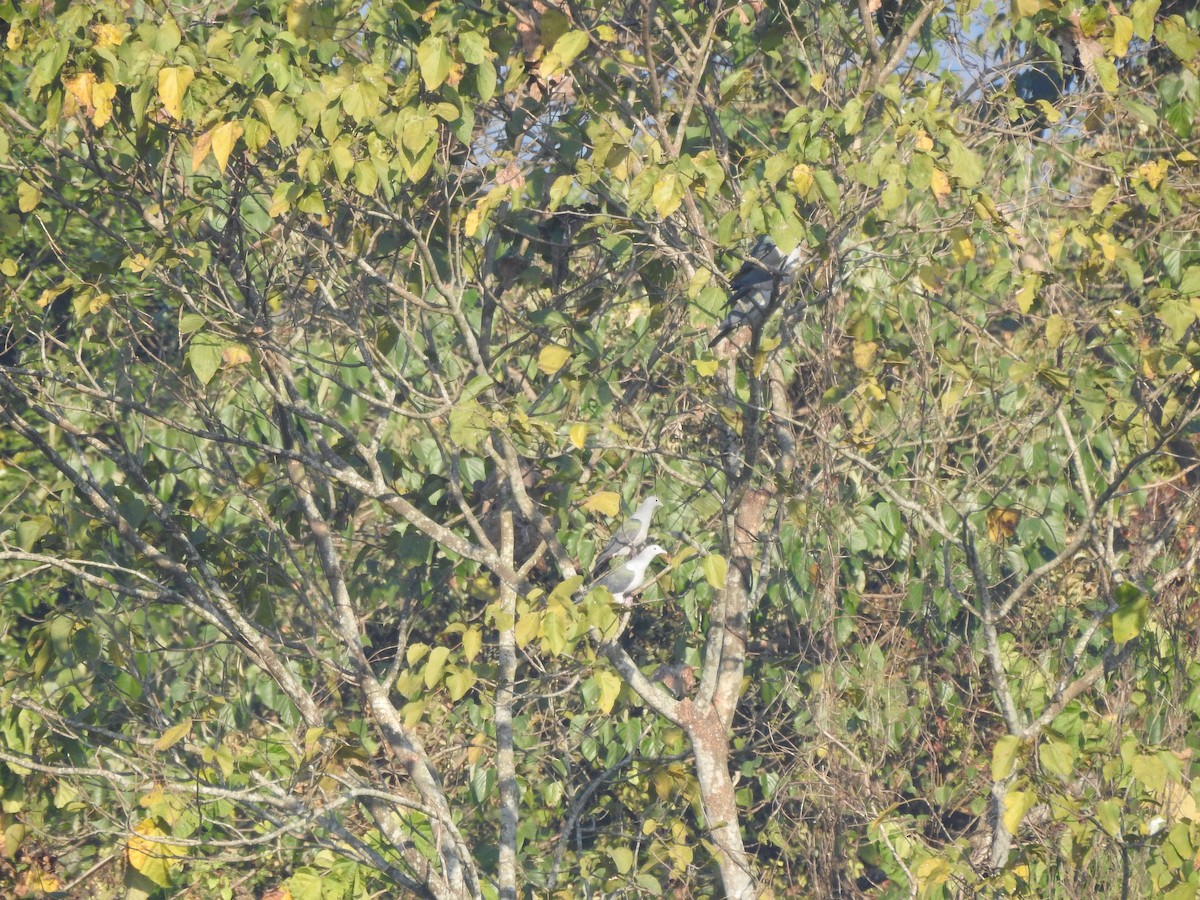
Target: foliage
(338,335)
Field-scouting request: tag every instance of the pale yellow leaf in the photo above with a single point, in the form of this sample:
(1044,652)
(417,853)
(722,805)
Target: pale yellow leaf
(578,435)
(235,355)
(103,95)
(201,148)
(552,358)
(107,36)
(80,88)
(961,246)
(610,688)
(802,178)
(864,354)
(939,182)
(224,137)
(28,197)
(173,735)
(1016,804)
(605,502)
(173,83)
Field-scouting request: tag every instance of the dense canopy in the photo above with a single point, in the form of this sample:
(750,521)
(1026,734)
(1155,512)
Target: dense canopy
(339,336)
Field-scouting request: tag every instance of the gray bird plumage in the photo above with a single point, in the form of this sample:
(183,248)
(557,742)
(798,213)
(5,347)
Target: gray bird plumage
(625,579)
(632,532)
(754,291)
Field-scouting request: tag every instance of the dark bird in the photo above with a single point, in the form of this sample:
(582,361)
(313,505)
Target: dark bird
(755,290)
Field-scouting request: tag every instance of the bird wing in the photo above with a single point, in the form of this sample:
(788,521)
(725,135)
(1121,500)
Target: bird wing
(623,540)
(755,288)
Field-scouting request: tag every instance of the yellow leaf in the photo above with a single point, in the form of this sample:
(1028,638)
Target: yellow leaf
(606,502)
(108,36)
(1122,32)
(864,354)
(201,149)
(1004,756)
(802,178)
(80,88)
(9,267)
(173,735)
(939,183)
(610,688)
(1028,292)
(1016,804)
(933,278)
(139,262)
(552,358)
(102,98)
(224,137)
(1002,524)
(1153,172)
(924,141)
(472,642)
(173,83)
(932,872)
(696,283)
(157,861)
(705,368)
(961,246)
(28,197)
(578,435)
(235,355)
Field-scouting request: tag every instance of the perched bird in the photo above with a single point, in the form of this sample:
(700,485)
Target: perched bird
(754,290)
(626,578)
(632,532)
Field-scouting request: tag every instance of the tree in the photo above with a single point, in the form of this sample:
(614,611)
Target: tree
(339,334)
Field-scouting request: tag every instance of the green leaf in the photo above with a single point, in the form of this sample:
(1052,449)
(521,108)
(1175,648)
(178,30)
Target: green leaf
(1057,757)
(622,858)
(28,197)
(667,194)
(459,682)
(1143,12)
(965,164)
(433,56)
(204,354)
(852,116)
(554,632)
(1108,812)
(472,643)
(468,425)
(715,570)
(435,665)
(1106,73)
(306,884)
(563,53)
(828,188)
(1130,615)
(31,530)
(1004,756)
(1150,771)
(1180,39)
(1189,282)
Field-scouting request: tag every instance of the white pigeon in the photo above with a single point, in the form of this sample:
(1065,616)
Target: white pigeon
(632,532)
(628,577)
(754,291)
